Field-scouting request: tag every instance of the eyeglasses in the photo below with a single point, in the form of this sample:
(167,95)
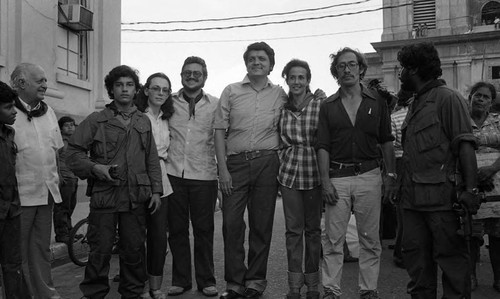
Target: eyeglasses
(351,64)
(157,89)
(187,74)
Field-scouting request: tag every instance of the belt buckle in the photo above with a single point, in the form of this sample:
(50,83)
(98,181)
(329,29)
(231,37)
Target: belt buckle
(250,155)
(357,168)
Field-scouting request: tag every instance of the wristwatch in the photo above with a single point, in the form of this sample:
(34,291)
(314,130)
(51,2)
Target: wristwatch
(392,175)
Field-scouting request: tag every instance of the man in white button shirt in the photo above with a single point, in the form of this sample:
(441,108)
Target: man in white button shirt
(37,139)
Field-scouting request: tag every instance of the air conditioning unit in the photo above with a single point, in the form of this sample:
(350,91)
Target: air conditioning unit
(75,17)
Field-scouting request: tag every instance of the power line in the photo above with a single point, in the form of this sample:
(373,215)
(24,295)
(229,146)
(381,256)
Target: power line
(266,23)
(244,17)
(247,40)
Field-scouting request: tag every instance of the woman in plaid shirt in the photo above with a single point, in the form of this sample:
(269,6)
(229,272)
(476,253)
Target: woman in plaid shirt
(299,179)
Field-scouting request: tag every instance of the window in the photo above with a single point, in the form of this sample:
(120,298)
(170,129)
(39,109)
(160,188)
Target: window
(424,14)
(495,72)
(489,12)
(72,48)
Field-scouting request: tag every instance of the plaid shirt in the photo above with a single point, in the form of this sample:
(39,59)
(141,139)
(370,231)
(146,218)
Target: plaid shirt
(299,167)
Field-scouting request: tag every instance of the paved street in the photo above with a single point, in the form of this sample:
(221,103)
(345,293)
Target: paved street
(392,281)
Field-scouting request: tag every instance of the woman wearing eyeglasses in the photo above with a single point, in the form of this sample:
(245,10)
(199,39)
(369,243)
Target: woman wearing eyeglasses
(299,179)
(155,100)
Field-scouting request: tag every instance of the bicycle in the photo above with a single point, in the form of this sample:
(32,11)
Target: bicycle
(78,245)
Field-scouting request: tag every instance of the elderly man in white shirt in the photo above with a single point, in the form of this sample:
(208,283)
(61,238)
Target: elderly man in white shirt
(37,139)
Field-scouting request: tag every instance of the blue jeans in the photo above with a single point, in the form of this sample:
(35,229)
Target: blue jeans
(255,188)
(302,210)
(361,194)
(195,200)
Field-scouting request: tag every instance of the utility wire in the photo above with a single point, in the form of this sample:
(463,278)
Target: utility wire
(266,23)
(244,17)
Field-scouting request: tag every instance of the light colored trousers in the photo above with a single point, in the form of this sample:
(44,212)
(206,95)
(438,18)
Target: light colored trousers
(36,227)
(362,195)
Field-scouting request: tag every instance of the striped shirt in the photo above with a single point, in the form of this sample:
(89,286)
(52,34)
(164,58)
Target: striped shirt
(397,119)
(299,167)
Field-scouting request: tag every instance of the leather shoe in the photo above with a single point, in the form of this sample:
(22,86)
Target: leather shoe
(209,291)
(230,294)
(176,291)
(252,293)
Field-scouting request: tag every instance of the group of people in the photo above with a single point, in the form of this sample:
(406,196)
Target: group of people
(154,162)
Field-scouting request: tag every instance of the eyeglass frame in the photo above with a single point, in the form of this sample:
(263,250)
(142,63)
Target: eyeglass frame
(157,89)
(187,74)
(350,64)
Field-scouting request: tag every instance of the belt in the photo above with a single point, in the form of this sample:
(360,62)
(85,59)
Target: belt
(338,170)
(250,155)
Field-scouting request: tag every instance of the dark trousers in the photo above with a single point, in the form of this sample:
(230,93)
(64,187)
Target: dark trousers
(302,210)
(101,235)
(195,200)
(157,228)
(10,258)
(255,188)
(64,210)
(430,239)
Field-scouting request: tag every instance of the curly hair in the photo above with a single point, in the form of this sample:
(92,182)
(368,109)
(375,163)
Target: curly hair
(363,65)
(422,56)
(481,84)
(141,100)
(198,60)
(260,46)
(7,94)
(117,73)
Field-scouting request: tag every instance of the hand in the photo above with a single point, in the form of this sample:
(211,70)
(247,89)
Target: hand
(102,172)
(486,172)
(390,189)
(470,200)
(329,193)
(154,203)
(225,182)
(319,93)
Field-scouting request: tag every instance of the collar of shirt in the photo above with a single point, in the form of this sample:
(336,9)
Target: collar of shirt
(365,93)
(28,107)
(6,131)
(247,81)
(148,111)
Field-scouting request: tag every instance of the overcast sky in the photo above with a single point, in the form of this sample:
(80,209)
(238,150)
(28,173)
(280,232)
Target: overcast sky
(311,40)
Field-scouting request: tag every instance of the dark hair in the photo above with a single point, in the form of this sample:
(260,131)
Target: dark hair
(65,119)
(389,98)
(260,46)
(198,60)
(117,73)
(422,56)
(291,64)
(141,100)
(7,94)
(481,84)
(363,65)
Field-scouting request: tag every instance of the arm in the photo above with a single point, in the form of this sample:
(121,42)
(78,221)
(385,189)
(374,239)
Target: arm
(154,173)
(225,180)
(390,182)
(329,192)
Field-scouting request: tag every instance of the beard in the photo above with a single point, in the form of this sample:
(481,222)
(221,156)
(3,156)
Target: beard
(408,86)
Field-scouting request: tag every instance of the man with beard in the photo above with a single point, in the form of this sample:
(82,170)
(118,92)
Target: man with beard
(354,130)
(438,163)
(246,130)
(192,171)
(37,138)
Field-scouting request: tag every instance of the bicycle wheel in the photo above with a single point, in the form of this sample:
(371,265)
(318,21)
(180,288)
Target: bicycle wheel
(78,245)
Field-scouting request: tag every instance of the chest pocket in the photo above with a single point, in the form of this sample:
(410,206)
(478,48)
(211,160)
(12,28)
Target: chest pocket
(143,132)
(428,133)
(105,143)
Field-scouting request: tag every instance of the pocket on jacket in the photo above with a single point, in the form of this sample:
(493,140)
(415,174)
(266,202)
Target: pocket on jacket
(102,195)
(428,133)
(144,187)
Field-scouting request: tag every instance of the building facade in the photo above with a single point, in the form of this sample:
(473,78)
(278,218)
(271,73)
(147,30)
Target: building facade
(463,32)
(77,42)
